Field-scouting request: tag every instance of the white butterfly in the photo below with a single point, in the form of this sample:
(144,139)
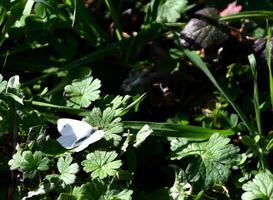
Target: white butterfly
(76,134)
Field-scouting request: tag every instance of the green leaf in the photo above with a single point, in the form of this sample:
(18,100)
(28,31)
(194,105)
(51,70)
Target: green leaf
(119,103)
(32,163)
(96,190)
(14,97)
(181,189)
(101,164)
(261,187)
(212,159)
(170,10)
(142,134)
(67,169)
(14,83)
(82,92)
(3,84)
(107,121)
(16,161)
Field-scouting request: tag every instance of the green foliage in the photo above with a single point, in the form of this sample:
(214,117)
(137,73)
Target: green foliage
(3,84)
(67,170)
(170,10)
(108,121)
(144,94)
(81,93)
(181,188)
(211,161)
(142,134)
(101,164)
(96,190)
(29,163)
(260,187)
(165,10)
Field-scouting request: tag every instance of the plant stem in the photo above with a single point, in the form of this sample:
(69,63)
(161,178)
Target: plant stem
(13,130)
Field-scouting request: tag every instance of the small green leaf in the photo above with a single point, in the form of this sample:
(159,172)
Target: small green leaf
(67,169)
(14,97)
(82,92)
(261,187)
(212,160)
(101,164)
(107,121)
(171,10)
(16,161)
(97,190)
(142,134)
(181,188)
(14,83)
(3,84)
(32,163)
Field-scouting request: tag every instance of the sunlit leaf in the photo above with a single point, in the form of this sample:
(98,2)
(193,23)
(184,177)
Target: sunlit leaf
(67,169)
(101,164)
(81,93)
(3,84)
(16,160)
(142,134)
(261,187)
(170,10)
(107,121)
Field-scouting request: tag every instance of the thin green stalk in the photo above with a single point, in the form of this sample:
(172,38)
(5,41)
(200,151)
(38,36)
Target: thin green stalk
(77,111)
(268,59)
(256,103)
(264,14)
(196,60)
(115,19)
(177,130)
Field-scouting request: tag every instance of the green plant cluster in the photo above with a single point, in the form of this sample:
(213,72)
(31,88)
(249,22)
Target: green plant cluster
(182,116)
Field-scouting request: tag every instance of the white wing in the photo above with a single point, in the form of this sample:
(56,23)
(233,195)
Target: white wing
(67,141)
(72,131)
(97,135)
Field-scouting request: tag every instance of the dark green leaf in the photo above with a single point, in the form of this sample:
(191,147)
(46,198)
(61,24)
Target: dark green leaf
(211,161)
(32,163)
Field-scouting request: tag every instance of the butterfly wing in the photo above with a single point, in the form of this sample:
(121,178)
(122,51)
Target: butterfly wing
(72,131)
(94,137)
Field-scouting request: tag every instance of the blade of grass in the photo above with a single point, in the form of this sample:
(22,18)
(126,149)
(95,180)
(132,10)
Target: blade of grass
(177,130)
(268,60)
(256,103)
(264,14)
(196,60)
(102,52)
(115,18)
(134,103)
(3,9)
(76,111)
